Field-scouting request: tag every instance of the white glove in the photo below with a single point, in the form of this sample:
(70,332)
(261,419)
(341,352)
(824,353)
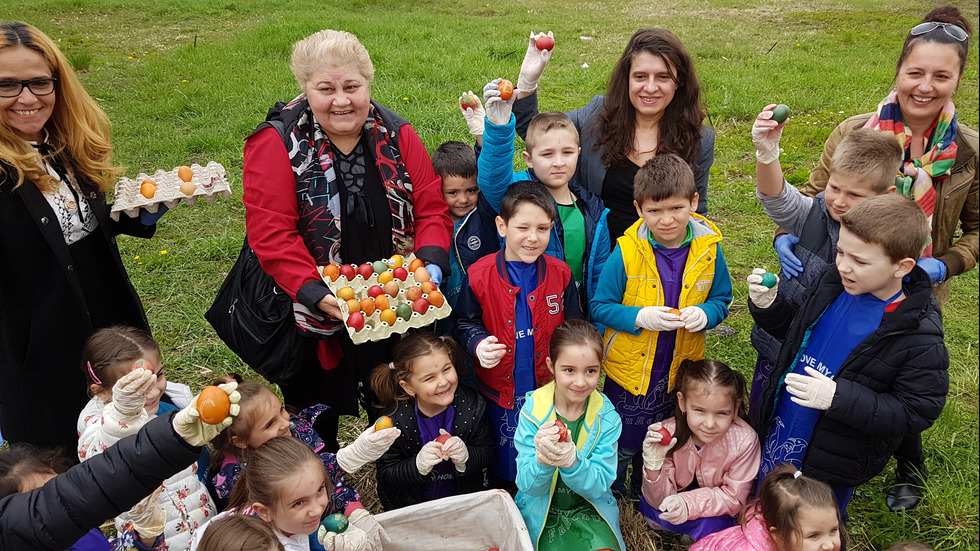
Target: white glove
(673,509)
(759,294)
(658,318)
(653,452)
(428,457)
(489,352)
(816,391)
(148,517)
(498,110)
(376,535)
(765,135)
(352,539)
(368,447)
(694,318)
(566,455)
(455,449)
(546,444)
(535,61)
(473,115)
(188,424)
(129,392)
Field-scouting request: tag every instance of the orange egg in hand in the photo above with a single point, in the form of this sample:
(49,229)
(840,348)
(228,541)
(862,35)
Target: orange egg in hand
(384,422)
(213,405)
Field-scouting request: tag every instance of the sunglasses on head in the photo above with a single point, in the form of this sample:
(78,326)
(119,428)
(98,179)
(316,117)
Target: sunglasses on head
(952,30)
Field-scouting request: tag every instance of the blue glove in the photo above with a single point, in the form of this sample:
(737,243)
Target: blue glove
(435,272)
(792,267)
(148,218)
(934,267)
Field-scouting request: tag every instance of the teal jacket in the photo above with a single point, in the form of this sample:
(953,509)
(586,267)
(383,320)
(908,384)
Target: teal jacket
(593,473)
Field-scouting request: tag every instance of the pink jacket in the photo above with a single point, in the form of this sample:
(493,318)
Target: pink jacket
(726,471)
(753,537)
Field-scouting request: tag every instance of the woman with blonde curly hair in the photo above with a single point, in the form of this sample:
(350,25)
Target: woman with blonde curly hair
(61,277)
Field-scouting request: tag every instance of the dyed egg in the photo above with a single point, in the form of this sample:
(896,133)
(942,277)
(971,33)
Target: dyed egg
(213,405)
(436,299)
(769,279)
(562,430)
(368,306)
(381,302)
(148,189)
(335,523)
(443,438)
(379,266)
(383,422)
(780,112)
(674,311)
(396,261)
(391,288)
(404,311)
(422,275)
(415,264)
(332,271)
(353,305)
(185,173)
(665,436)
(428,287)
(400,273)
(348,271)
(356,321)
(389,316)
(420,305)
(385,277)
(345,293)
(413,293)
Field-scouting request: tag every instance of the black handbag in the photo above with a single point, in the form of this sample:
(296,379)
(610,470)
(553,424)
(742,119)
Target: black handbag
(254,317)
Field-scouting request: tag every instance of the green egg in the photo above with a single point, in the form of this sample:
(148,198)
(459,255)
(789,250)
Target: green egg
(404,311)
(335,523)
(769,279)
(379,266)
(780,113)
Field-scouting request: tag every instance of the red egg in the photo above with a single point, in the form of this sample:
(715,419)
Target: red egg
(443,438)
(413,293)
(428,287)
(375,290)
(348,271)
(562,430)
(666,436)
(213,405)
(420,305)
(365,270)
(356,321)
(400,273)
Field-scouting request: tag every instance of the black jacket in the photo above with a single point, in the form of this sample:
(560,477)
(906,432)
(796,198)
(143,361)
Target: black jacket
(44,316)
(399,481)
(893,384)
(57,514)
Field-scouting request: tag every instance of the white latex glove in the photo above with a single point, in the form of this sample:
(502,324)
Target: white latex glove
(673,509)
(657,318)
(188,424)
(352,539)
(455,450)
(428,457)
(498,110)
(369,446)
(149,519)
(546,444)
(376,535)
(694,318)
(474,116)
(816,391)
(653,452)
(489,352)
(765,135)
(535,61)
(129,392)
(566,454)
(759,294)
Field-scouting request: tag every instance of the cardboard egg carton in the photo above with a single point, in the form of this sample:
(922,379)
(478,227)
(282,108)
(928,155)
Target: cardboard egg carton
(210,181)
(374,329)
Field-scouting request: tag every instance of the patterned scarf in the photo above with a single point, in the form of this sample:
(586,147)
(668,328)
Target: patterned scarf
(916,177)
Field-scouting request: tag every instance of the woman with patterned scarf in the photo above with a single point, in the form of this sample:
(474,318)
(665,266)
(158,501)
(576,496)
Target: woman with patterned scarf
(332,177)
(939,172)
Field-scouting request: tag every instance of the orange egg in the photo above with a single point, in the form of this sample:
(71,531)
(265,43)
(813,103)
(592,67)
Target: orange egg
(185,173)
(385,277)
(674,311)
(396,261)
(381,302)
(428,287)
(148,189)
(436,299)
(332,271)
(391,288)
(345,293)
(383,422)
(422,275)
(368,306)
(389,316)
(415,265)
(213,405)
(353,305)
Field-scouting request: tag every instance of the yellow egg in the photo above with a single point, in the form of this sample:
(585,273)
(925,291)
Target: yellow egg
(396,261)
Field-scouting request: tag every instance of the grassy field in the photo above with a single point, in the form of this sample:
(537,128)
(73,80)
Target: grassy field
(186,80)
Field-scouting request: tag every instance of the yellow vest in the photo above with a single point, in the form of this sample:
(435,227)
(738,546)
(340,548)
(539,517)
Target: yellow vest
(628,357)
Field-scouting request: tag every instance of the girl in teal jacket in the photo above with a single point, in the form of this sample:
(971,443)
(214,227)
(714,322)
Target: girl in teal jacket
(566,443)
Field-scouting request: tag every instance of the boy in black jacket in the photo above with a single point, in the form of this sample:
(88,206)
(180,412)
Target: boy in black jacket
(863,362)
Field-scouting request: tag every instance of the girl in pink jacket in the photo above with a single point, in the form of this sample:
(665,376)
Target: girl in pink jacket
(697,481)
(793,513)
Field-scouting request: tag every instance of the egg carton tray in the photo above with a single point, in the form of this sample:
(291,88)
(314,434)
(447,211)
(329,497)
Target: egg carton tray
(374,329)
(210,181)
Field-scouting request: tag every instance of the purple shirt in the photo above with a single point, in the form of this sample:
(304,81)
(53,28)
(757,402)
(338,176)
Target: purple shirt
(440,483)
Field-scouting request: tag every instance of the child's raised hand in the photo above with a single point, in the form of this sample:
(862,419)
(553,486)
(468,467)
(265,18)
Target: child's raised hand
(373,531)
(535,61)
(658,318)
(498,110)
(673,509)
(473,114)
(761,295)
(694,318)
(455,449)
(765,135)
(489,352)
(369,446)
(190,427)
(129,392)
(428,457)
(352,539)
(654,452)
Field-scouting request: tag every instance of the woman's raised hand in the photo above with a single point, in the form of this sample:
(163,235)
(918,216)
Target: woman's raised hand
(535,60)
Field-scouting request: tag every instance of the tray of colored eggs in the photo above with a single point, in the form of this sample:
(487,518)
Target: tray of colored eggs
(169,187)
(384,297)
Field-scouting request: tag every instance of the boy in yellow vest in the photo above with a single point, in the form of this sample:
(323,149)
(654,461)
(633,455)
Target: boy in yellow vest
(664,284)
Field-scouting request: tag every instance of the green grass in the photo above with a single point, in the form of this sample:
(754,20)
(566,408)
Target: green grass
(186,80)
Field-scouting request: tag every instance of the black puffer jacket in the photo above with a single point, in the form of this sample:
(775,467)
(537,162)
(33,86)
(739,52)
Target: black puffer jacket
(57,514)
(893,384)
(399,481)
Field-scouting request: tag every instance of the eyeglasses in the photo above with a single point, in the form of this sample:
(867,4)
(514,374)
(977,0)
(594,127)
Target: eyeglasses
(952,30)
(37,86)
